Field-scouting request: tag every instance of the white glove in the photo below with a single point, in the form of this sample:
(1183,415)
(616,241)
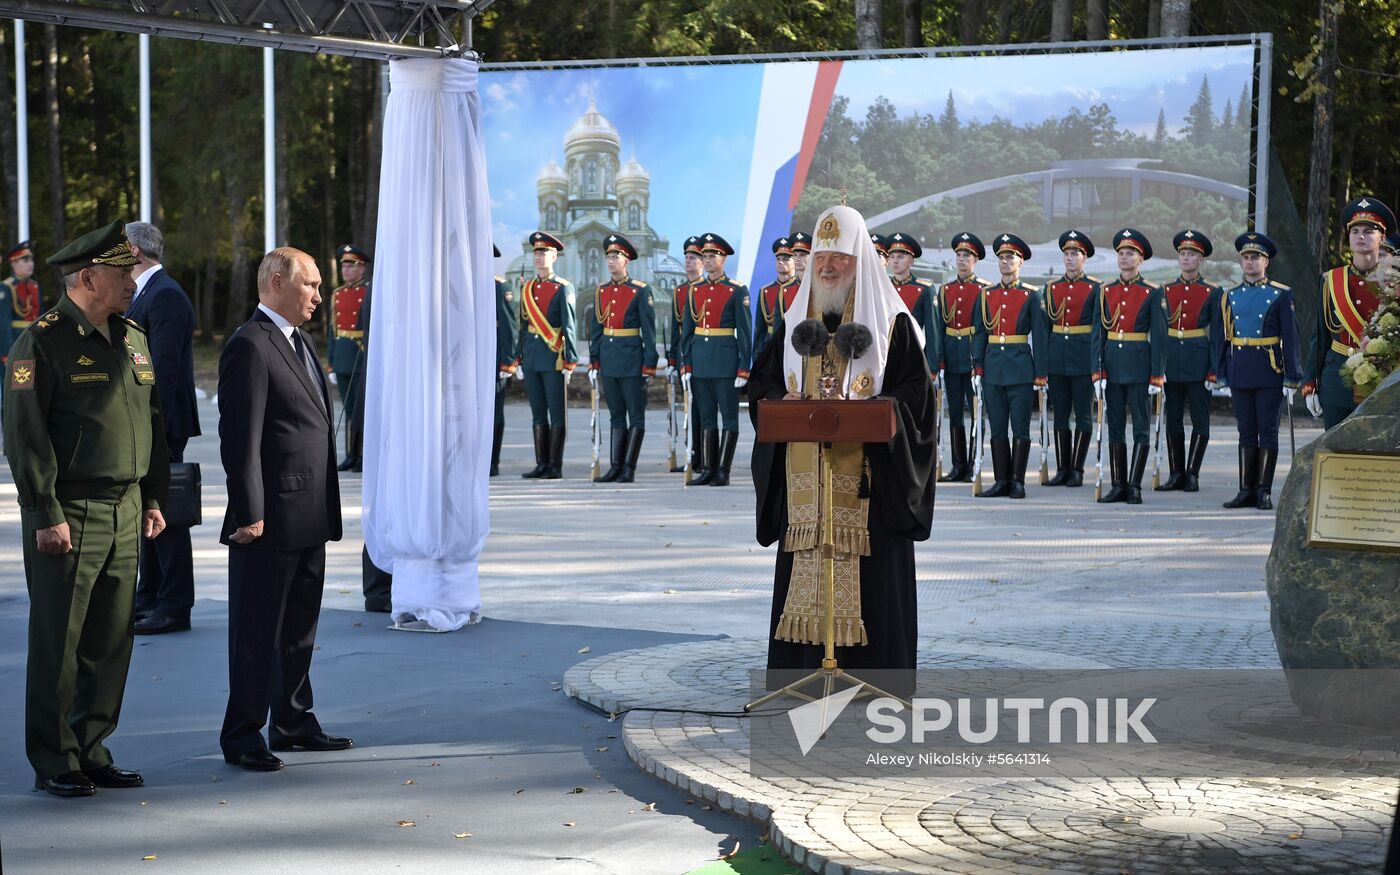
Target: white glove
(502,377)
(519,373)
(740,382)
(1226,390)
(593,378)
(664,371)
(331,376)
(567,374)
(1099,386)
(1210,385)
(976,385)
(938,378)
(1314,404)
(685,380)
(1289,392)
(1154,389)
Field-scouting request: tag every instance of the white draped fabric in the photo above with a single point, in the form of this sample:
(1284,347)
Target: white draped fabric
(427,438)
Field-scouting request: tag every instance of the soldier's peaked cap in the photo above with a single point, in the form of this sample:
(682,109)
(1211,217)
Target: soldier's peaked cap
(106,245)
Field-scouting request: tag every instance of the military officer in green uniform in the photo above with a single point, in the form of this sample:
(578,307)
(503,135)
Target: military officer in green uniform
(507,331)
(1193,329)
(546,353)
(717,332)
(955,304)
(1071,303)
(675,353)
(916,293)
(774,298)
(347,347)
(85,441)
(801,243)
(1008,354)
(1130,333)
(622,351)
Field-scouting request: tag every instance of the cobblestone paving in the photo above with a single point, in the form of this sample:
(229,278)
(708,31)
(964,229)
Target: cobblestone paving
(956,825)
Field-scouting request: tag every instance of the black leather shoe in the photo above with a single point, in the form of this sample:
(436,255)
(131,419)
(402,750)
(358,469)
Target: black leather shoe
(66,784)
(139,614)
(159,624)
(319,741)
(377,607)
(347,464)
(255,761)
(113,778)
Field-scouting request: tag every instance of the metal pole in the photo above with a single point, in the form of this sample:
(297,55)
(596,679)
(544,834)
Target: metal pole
(1261,139)
(21,136)
(144,44)
(269,155)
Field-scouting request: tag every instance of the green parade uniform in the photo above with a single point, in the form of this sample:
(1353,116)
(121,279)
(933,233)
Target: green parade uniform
(917,295)
(347,352)
(1129,337)
(675,355)
(547,356)
(507,331)
(1071,304)
(773,301)
(622,350)
(955,305)
(1193,335)
(718,328)
(1008,353)
(84,438)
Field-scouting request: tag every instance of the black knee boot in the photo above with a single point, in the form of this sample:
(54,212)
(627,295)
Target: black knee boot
(1020,453)
(1134,495)
(1064,458)
(630,454)
(1194,458)
(1176,463)
(541,433)
(617,446)
(957,451)
(1118,472)
(1001,469)
(1080,449)
(498,433)
(1249,480)
(709,455)
(728,441)
(1263,492)
(555,470)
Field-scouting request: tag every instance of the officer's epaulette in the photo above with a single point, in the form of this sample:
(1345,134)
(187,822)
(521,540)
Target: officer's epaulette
(981,282)
(500,279)
(920,281)
(1278,285)
(135,325)
(45,322)
(1091,279)
(638,284)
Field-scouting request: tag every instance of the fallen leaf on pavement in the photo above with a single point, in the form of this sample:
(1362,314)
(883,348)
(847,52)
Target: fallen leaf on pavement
(570,823)
(733,852)
(461,835)
(602,749)
(521,790)
(149,857)
(407,823)
(577,790)
(650,806)
(409,781)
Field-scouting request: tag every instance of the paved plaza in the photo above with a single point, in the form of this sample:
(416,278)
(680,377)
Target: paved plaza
(650,595)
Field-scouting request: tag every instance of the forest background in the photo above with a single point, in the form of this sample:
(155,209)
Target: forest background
(1332,127)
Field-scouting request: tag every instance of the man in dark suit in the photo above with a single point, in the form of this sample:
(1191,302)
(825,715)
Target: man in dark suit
(165,589)
(278,450)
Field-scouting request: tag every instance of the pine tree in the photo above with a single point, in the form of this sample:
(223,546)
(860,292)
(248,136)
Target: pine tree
(1227,118)
(1244,110)
(1200,119)
(949,120)
(1159,139)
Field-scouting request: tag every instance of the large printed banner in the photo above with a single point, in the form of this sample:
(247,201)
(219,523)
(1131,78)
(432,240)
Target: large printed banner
(1155,139)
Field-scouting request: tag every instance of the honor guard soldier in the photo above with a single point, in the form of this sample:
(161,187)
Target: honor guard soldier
(1390,248)
(1129,361)
(801,251)
(347,348)
(1008,352)
(774,298)
(1071,304)
(1259,362)
(675,354)
(882,249)
(19,296)
(955,306)
(717,348)
(84,438)
(622,350)
(507,351)
(547,354)
(916,293)
(1348,299)
(1193,308)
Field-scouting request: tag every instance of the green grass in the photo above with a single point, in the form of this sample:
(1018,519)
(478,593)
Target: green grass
(761,860)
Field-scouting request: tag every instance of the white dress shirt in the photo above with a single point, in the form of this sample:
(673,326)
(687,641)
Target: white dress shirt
(144,280)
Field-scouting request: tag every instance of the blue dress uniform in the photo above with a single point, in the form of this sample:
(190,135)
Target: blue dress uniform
(347,348)
(675,352)
(1193,328)
(1129,338)
(1346,304)
(951,338)
(717,350)
(622,349)
(1071,304)
(547,355)
(773,301)
(1008,352)
(917,294)
(507,349)
(1258,357)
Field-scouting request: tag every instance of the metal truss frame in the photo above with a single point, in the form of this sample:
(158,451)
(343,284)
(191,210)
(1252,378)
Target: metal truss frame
(374,29)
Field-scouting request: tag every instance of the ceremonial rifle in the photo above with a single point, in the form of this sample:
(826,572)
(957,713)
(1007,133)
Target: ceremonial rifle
(938,422)
(685,415)
(977,439)
(1292,441)
(672,434)
(593,426)
(1098,451)
(1157,440)
(1044,451)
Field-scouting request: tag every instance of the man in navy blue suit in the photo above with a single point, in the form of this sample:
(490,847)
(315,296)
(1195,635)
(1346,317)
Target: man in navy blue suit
(165,588)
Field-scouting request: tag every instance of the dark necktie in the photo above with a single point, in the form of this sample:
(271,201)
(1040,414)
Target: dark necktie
(306,358)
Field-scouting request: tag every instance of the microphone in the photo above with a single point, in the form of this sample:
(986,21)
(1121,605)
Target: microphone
(852,340)
(809,338)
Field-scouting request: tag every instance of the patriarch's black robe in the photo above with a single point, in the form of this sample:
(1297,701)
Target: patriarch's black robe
(901,508)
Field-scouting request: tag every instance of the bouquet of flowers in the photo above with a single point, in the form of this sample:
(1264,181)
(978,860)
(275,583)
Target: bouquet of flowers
(1379,353)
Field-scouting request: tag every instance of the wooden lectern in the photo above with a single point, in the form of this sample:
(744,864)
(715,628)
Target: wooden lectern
(825,422)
